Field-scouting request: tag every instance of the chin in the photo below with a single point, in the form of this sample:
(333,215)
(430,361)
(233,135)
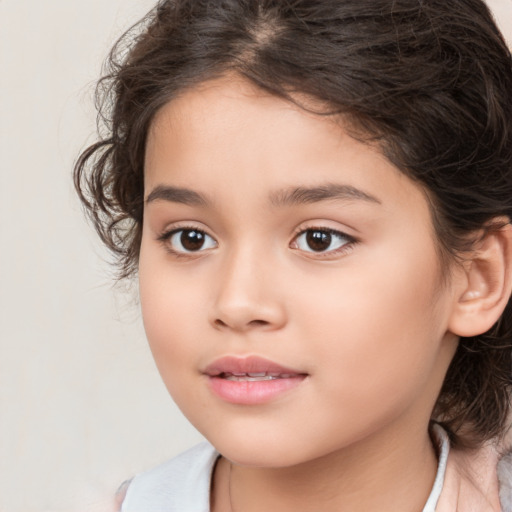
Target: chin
(259,449)
(257,456)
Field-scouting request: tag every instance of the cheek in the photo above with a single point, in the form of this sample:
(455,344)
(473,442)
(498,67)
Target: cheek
(170,322)
(169,311)
(168,316)
(375,332)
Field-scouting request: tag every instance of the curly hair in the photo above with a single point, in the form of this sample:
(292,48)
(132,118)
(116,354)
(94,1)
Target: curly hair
(429,80)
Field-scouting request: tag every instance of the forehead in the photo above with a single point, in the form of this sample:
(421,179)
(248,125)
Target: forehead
(232,109)
(228,136)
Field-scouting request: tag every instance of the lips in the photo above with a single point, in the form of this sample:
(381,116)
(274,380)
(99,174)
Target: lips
(252,366)
(250,380)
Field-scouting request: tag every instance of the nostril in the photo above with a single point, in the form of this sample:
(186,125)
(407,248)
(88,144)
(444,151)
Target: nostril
(253,323)
(258,322)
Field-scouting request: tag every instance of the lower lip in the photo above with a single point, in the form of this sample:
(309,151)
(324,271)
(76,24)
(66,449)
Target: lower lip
(252,392)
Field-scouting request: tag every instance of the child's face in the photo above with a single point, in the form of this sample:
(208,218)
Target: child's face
(310,250)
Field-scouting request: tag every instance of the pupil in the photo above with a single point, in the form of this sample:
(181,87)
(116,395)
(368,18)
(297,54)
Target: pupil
(318,240)
(192,240)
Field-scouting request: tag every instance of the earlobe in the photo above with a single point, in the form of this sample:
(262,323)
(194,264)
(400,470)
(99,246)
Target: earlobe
(486,283)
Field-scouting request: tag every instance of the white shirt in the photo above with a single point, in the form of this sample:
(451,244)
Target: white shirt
(183,483)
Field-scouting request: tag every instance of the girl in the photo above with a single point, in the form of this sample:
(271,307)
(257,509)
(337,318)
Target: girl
(316,196)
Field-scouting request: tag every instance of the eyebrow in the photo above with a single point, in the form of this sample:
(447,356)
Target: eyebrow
(177,195)
(285,197)
(308,195)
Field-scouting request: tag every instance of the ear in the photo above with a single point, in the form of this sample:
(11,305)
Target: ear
(485,284)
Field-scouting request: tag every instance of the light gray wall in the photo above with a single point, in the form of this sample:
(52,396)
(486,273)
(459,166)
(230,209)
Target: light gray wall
(81,404)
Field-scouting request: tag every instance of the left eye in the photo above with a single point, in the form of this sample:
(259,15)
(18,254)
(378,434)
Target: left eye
(321,240)
(190,240)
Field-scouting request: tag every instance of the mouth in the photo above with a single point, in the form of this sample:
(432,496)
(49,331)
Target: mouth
(251,380)
(254,377)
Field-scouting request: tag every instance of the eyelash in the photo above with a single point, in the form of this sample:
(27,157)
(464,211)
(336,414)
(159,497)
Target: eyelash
(166,237)
(350,241)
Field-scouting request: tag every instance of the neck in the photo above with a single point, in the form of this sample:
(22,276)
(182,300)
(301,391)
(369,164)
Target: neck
(362,477)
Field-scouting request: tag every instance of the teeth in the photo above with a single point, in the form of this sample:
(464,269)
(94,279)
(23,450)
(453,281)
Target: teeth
(251,379)
(255,376)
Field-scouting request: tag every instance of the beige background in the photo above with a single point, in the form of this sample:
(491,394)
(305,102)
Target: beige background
(81,404)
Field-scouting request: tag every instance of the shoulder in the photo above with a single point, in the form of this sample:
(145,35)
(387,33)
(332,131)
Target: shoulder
(505,481)
(180,484)
(477,480)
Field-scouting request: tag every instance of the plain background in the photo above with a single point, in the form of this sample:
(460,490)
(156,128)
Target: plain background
(81,404)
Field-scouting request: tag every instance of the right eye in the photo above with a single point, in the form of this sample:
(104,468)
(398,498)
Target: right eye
(186,241)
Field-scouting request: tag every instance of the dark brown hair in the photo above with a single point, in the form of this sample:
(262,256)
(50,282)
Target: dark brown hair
(429,80)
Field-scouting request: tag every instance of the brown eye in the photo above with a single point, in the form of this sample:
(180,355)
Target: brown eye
(321,240)
(190,240)
(318,240)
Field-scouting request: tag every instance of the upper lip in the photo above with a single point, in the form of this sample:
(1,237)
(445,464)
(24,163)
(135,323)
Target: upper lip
(247,364)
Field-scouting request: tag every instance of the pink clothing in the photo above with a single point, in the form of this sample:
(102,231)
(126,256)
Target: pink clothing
(470,480)
(474,482)
(466,481)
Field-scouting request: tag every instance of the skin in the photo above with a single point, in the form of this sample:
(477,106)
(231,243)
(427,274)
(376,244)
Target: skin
(367,322)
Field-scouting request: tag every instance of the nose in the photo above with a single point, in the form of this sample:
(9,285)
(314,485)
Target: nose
(247,295)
